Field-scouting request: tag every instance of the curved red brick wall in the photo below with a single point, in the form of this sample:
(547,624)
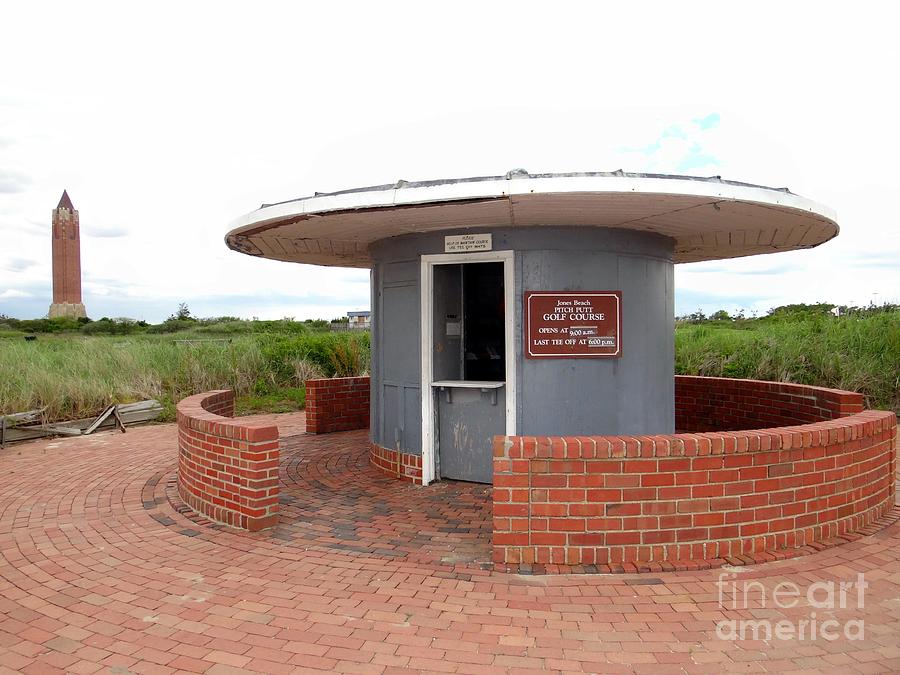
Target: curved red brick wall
(342,404)
(760,470)
(395,463)
(337,404)
(725,404)
(741,495)
(227,470)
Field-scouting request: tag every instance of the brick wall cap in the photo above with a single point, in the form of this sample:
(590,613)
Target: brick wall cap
(861,424)
(193,409)
(768,385)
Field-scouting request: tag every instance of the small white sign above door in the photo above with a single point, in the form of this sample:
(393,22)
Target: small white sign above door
(464,243)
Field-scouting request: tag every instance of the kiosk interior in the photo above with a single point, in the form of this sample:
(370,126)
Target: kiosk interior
(468,367)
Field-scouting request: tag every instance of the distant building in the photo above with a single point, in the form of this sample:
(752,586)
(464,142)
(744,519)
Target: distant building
(354,321)
(360,319)
(66,261)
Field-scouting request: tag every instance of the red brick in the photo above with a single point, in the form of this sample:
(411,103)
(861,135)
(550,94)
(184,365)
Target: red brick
(707,485)
(208,443)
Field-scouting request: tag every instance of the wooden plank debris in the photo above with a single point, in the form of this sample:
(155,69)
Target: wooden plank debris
(8,421)
(118,417)
(23,417)
(60,430)
(28,425)
(113,411)
(100,419)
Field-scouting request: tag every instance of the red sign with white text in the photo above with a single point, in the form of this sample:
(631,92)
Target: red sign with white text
(582,324)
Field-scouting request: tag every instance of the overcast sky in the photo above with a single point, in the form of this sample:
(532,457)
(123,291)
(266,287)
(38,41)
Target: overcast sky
(167,120)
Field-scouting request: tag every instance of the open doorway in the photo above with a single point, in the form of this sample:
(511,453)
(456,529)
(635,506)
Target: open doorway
(468,389)
(483,343)
(468,323)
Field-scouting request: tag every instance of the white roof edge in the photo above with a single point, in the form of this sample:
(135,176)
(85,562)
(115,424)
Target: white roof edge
(524,185)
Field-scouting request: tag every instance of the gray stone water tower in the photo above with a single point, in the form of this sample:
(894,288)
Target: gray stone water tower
(525,304)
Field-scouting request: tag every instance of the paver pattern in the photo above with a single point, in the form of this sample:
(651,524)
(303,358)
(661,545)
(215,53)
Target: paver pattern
(101,572)
(333,499)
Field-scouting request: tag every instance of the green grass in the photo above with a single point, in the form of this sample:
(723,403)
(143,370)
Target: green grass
(74,376)
(857,353)
(284,400)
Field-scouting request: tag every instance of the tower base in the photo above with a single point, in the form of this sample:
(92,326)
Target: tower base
(67,309)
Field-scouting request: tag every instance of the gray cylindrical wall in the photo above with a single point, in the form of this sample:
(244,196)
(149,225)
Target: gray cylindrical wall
(633,394)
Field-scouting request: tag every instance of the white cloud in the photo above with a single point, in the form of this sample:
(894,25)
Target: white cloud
(109,232)
(13,181)
(10,293)
(259,103)
(15,264)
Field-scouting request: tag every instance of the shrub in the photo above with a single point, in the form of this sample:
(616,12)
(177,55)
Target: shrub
(856,352)
(306,370)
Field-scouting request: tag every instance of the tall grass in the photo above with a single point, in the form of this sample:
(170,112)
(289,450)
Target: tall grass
(73,377)
(77,376)
(854,353)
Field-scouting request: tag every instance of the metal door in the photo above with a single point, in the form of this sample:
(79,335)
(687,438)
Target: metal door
(468,420)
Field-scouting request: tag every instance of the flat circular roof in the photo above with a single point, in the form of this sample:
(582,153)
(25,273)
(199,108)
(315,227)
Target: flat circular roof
(709,218)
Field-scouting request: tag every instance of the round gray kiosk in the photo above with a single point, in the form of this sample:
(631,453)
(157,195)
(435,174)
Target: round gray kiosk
(529,305)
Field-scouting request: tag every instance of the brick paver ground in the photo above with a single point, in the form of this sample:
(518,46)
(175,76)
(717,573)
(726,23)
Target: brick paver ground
(101,572)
